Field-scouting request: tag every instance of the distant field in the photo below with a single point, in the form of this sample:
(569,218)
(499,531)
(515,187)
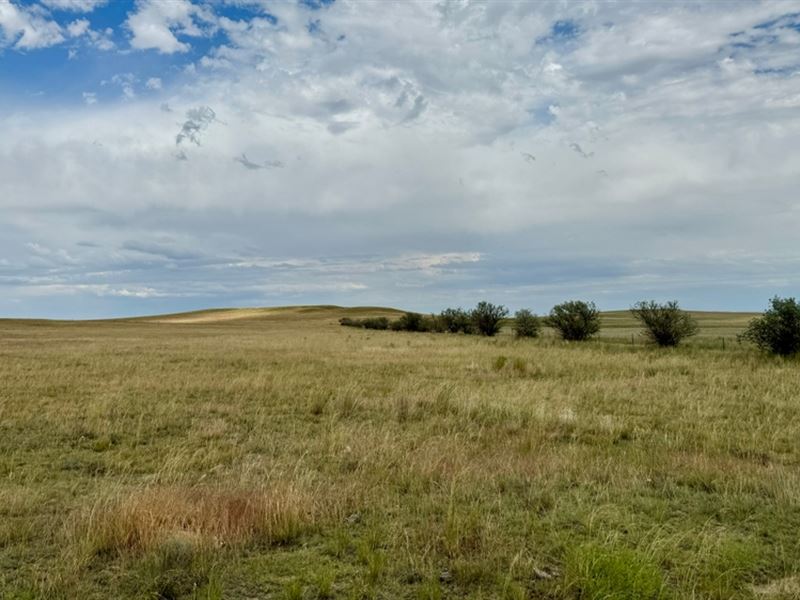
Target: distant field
(271,453)
(616,324)
(713,325)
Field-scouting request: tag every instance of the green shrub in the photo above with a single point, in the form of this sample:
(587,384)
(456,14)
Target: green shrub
(456,320)
(376,323)
(665,324)
(778,330)
(575,320)
(526,324)
(433,324)
(410,321)
(595,572)
(486,317)
(368,323)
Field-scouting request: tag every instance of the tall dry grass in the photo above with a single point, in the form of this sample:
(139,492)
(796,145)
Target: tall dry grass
(140,520)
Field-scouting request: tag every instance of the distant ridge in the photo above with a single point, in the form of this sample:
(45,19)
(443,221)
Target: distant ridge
(215,315)
(612,319)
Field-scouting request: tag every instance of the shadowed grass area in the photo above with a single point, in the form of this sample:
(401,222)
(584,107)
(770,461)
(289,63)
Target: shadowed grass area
(279,455)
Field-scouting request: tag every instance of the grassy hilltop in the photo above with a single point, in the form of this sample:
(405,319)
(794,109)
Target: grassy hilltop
(271,453)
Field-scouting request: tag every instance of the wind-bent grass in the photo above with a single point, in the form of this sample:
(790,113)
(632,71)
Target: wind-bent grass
(278,454)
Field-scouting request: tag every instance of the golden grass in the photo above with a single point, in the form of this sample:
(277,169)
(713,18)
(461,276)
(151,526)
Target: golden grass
(235,314)
(144,519)
(214,316)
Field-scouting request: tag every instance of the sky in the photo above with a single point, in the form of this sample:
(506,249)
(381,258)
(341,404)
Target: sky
(169,155)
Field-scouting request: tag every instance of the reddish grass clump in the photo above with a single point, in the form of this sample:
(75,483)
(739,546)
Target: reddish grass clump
(151,516)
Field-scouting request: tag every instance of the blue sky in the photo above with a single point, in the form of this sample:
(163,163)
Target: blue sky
(167,155)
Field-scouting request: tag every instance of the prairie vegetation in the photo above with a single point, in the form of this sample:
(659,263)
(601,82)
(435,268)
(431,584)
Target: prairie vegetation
(275,454)
(778,329)
(575,320)
(665,324)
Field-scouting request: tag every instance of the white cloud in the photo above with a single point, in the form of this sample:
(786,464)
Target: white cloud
(126,81)
(27,29)
(155,25)
(78,27)
(74,5)
(90,98)
(98,289)
(153,83)
(101,39)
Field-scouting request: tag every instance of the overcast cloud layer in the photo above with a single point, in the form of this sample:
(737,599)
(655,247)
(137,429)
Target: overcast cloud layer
(160,156)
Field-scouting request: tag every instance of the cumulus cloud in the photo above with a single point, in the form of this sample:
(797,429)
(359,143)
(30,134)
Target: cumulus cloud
(78,27)
(153,83)
(156,25)
(27,29)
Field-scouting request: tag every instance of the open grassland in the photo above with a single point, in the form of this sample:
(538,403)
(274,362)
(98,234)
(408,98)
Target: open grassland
(275,454)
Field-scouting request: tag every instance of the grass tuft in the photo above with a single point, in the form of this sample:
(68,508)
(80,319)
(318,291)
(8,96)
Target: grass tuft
(196,517)
(603,572)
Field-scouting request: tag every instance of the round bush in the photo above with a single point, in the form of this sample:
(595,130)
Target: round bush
(526,324)
(487,316)
(665,324)
(778,330)
(575,320)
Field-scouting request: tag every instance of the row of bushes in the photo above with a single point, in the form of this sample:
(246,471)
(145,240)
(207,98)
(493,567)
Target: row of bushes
(574,320)
(777,331)
(484,319)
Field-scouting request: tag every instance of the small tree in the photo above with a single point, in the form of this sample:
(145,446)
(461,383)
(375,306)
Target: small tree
(487,316)
(778,330)
(575,320)
(666,324)
(456,320)
(526,324)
